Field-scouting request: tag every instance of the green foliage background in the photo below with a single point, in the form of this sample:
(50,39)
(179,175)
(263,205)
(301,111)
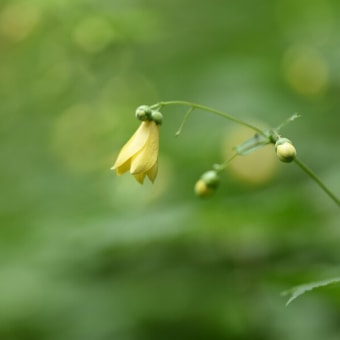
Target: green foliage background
(88,255)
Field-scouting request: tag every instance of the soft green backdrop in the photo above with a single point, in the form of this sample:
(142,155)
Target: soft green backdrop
(88,255)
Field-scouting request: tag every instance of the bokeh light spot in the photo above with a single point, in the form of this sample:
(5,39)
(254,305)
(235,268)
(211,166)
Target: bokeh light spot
(76,139)
(18,20)
(256,168)
(306,71)
(94,34)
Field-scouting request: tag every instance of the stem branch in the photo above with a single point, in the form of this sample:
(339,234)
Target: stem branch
(220,167)
(317,180)
(193,106)
(209,109)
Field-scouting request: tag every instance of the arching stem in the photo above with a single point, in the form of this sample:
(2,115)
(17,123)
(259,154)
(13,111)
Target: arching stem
(209,109)
(317,180)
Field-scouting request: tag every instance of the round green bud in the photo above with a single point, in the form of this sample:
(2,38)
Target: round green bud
(157,117)
(202,190)
(207,184)
(143,113)
(285,150)
(211,179)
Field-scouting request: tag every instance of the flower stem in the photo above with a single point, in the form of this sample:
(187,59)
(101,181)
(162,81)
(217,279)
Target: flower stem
(287,121)
(317,180)
(274,136)
(184,120)
(211,110)
(220,167)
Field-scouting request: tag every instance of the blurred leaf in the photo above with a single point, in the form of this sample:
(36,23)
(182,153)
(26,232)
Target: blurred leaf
(297,291)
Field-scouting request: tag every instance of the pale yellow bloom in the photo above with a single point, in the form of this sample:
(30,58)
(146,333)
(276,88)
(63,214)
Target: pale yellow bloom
(140,154)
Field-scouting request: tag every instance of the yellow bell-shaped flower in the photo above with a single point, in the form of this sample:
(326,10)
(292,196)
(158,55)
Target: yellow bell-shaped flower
(140,154)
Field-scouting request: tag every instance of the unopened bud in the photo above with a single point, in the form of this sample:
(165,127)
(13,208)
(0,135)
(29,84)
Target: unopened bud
(202,190)
(207,184)
(143,113)
(285,150)
(157,117)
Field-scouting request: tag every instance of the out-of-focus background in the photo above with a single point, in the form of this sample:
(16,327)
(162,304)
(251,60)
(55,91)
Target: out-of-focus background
(85,254)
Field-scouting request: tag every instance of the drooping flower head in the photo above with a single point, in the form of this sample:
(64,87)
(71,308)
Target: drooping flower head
(140,154)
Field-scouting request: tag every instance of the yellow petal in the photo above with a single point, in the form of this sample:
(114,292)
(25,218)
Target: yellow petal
(134,144)
(152,173)
(146,158)
(140,178)
(123,167)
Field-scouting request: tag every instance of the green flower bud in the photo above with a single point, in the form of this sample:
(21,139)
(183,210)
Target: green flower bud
(285,150)
(211,179)
(157,117)
(207,184)
(143,113)
(202,190)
